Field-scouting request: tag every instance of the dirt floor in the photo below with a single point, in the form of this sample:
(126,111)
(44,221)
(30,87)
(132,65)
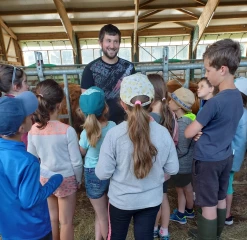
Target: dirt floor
(84,218)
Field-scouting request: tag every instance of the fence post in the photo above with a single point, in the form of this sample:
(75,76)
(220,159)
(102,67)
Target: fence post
(39,65)
(165,63)
(66,91)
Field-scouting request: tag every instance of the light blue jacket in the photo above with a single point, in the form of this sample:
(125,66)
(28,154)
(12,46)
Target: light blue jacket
(239,143)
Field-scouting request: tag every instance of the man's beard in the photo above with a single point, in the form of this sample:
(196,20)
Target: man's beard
(107,55)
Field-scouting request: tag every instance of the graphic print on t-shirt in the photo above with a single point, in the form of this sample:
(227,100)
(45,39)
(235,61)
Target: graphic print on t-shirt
(109,77)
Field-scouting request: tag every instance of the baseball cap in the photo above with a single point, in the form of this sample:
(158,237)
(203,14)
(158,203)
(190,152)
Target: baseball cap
(13,111)
(241,84)
(136,85)
(184,98)
(92,101)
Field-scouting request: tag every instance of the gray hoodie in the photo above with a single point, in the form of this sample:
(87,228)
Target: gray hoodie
(126,192)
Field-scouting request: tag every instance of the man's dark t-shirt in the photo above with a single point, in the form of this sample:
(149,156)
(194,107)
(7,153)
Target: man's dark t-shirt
(220,117)
(108,77)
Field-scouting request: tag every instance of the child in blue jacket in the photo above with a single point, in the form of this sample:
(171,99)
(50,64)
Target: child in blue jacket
(23,209)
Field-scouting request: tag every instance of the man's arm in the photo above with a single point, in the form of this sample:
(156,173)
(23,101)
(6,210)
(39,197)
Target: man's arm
(194,128)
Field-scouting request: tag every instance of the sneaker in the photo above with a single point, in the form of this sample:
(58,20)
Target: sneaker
(156,233)
(189,215)
(174,217)
(229,221)
(167,237)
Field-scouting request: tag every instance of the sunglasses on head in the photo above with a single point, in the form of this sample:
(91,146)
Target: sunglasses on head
(14,73)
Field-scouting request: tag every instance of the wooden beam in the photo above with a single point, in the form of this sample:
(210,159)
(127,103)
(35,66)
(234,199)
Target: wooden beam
(147,26)
(196,4)
(228,28)
(7,29)
(205,19)
(135,56)
(202,3)
(103,21)
(127,33)
(148,14)
(41,36)
(121,21)
(164,32)
(66,23)
(146,3)
(187,12)
(2,45)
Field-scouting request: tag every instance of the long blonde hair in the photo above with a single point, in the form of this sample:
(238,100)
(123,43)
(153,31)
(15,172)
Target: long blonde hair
(139,133)
(93,127)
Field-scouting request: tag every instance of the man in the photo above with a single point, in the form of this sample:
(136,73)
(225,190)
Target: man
(108,71)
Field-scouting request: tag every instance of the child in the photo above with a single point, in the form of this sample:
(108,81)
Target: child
(13,81)
(205,91)
(239,146)
(93,106)
(218,120)
(24,211)
(181,102)
(163,115)
(134,155)
(56,144)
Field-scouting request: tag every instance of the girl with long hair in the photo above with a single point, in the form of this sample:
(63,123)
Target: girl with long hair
(134,156)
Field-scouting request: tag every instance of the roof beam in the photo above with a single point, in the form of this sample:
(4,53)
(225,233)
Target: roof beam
(148,14)
(146,3)
(66,23)
(173,18)
(187,12)
(7,29)
(126,8)
(201,2)
(127,33)
(205,19)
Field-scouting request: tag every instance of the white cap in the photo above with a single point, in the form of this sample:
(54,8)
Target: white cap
(241,84)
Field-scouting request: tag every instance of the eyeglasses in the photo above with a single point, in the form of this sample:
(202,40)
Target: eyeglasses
(14,73)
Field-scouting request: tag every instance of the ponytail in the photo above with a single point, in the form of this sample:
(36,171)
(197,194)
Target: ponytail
(49,94)
(139,133)
(93,129)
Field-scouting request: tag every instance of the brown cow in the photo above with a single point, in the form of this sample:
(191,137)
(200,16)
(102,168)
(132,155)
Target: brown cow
(77,116)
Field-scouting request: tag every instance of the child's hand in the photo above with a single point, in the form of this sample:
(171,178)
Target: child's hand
(167,176)
(197,136)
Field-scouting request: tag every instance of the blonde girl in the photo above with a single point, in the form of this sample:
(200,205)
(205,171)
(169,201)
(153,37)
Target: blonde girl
(56,145)
(93,106)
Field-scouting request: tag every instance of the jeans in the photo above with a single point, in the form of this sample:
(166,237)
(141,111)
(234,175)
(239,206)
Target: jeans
(144,220)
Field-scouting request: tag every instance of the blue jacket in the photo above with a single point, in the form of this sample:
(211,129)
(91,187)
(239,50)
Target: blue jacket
(239,143)
(23,209)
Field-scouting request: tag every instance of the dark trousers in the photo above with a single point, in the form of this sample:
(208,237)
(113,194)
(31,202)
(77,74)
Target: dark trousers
(47,237)
(144,220)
